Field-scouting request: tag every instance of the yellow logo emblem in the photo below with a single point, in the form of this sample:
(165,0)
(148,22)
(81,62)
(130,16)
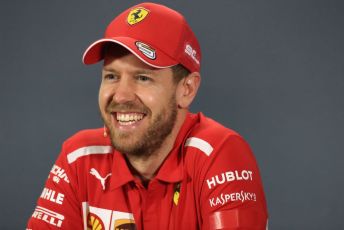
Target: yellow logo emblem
(137,15)
(94,222)
(176,198)
(176,194)
(125,224)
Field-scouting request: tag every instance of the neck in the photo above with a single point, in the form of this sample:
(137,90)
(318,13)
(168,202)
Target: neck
(147,167)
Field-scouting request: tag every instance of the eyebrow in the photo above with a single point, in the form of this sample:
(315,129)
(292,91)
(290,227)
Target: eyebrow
(138,71)
(108,69)
(144,71)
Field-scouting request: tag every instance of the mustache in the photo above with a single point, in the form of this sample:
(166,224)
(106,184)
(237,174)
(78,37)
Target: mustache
(128,107)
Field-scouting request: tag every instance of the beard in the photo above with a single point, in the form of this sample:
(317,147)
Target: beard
(152,139)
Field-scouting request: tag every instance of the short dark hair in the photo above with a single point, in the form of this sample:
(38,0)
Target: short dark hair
(179,72)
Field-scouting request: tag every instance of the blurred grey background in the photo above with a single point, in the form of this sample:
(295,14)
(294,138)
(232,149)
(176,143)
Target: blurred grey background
(271,70)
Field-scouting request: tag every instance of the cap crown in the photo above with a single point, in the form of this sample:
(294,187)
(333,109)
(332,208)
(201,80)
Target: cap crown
(155,33)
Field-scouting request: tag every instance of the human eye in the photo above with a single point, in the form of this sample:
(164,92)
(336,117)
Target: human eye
(110,77)
(143,78)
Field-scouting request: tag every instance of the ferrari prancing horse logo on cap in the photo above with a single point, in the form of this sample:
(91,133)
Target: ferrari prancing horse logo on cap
(137,15)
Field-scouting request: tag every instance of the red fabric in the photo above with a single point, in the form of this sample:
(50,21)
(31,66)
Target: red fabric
(240,218)
(222,184)
(163,31)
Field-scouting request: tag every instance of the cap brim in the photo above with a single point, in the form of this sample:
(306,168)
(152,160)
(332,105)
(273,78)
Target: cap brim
(95,52)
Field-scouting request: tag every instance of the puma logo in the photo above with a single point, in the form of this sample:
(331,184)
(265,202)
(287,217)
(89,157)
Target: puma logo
(95,173)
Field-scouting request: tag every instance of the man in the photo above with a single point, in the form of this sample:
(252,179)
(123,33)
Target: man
(154,165)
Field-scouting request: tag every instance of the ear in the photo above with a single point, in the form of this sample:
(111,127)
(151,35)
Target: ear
(187,89)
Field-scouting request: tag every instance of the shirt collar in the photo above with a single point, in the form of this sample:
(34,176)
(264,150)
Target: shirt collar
(120,171)
(171,170)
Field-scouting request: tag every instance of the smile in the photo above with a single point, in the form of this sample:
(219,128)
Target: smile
(128,118)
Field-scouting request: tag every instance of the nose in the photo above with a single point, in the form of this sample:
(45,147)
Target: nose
(124,92)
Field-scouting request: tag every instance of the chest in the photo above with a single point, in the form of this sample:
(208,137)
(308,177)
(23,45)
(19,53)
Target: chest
(131,206)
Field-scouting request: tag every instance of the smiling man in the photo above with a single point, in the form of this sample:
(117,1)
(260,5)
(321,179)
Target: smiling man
(154,165)
(139,106)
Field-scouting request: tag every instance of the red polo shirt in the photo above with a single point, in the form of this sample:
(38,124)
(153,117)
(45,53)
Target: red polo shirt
(210,180)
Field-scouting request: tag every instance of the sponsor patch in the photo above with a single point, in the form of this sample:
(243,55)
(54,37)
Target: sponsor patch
(94,222)
(137,15)
(126,224)
(146,50)
(191,53)
(59,173)
(105,219)
(229,176)
(176,194)
(46,215)
(53,196)
(224,198)
(102,180)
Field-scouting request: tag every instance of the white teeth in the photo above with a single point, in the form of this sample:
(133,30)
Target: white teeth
(131,118)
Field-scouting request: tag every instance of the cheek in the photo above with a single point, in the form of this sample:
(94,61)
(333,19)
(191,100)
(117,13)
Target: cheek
(149,100)
(157,100)
(104,97)
(151,97)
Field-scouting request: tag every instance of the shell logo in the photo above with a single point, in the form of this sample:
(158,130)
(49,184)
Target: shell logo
(94,222)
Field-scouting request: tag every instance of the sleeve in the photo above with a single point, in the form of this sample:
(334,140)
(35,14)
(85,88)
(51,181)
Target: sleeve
(232,195)
(58,206)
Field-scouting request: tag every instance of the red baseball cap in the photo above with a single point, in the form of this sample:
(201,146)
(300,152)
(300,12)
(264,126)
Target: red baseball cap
(156,34)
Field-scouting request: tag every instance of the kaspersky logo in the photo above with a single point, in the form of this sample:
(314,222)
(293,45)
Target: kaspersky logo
(137,15)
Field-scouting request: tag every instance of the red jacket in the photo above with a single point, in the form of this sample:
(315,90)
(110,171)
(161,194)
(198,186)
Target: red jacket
(210,180)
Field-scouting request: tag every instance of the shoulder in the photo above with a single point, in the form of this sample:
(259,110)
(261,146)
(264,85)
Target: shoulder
(220,161)
(86,142)
(209,135)
(211,146)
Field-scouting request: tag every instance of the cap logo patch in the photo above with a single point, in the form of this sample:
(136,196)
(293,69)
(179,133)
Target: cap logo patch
(137,15)
(146,50)
(192,53)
